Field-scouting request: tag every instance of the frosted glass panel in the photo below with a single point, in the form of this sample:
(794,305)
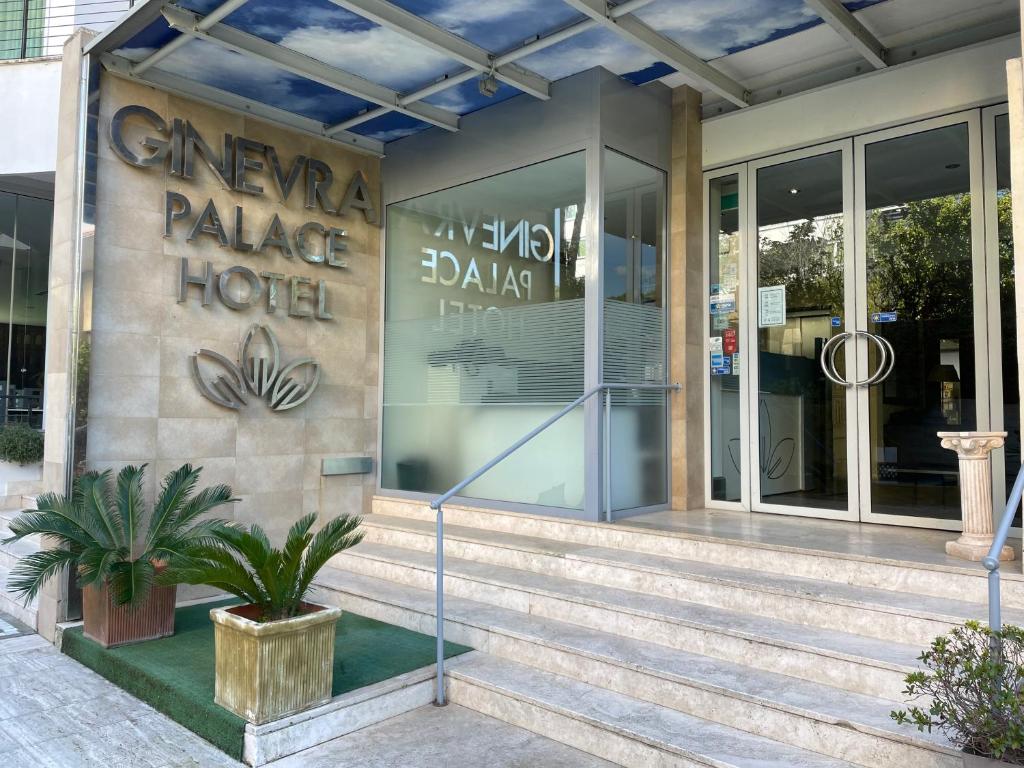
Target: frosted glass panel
(634,331)
(483,336)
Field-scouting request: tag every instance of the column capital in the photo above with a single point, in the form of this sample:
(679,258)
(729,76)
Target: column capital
(972,445)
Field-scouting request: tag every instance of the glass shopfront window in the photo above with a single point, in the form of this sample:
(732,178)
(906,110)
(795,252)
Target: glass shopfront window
(24,273)
(484,335)
(634,331)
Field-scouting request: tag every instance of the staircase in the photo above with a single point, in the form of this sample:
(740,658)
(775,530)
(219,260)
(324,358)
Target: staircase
(665,648)
(18,499)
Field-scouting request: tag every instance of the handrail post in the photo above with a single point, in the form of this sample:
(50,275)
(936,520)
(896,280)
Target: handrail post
(995,620)
(991,563)
(606,457)
(439,699)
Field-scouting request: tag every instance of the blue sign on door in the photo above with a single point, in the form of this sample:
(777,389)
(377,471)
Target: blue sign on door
(883,317)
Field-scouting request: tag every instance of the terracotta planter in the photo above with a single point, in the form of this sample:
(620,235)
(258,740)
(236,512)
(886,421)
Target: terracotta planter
(269,670)
(110,624)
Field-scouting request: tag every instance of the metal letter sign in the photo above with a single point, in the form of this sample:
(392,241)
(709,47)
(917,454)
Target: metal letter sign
(263,375)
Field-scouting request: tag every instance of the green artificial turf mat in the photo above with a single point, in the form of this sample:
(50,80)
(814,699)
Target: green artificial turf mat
(175,674)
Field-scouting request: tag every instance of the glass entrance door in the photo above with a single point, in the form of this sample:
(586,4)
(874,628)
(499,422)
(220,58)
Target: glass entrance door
(800,219)
(921,271)
(876,316)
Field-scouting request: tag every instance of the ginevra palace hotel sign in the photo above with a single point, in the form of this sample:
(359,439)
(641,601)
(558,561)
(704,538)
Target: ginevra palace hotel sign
(176,146)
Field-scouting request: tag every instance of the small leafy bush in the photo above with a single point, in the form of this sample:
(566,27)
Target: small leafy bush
(20,444)
(976,699)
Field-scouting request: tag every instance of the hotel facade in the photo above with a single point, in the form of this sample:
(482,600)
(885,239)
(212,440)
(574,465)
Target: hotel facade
(343,255)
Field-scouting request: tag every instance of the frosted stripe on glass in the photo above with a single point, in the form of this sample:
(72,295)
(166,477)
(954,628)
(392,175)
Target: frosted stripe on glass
(634,349)
(517,355)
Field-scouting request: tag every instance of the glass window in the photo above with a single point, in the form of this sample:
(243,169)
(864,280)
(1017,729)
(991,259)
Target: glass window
(21,28)
(725,362)
(24,270)
(634,330)
(483,335)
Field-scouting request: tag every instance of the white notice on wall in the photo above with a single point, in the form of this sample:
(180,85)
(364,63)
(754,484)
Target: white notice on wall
(771,306)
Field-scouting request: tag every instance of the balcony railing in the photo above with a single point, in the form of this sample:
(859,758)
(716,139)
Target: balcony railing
(35,28)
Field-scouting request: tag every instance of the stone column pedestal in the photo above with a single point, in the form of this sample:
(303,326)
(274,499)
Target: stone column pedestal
(974,449)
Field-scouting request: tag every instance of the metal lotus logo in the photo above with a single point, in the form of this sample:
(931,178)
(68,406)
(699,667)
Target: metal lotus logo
(283,388)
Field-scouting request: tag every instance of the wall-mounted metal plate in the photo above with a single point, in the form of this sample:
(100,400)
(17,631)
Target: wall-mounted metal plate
(346,465)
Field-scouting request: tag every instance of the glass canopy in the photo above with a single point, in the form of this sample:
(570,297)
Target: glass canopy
(385,69)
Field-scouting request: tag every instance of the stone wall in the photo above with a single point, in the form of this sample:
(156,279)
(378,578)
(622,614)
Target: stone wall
(144,404)
(687,280)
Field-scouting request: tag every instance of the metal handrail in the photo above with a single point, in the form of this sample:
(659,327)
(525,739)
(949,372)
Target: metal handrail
(438,504)
(991,562)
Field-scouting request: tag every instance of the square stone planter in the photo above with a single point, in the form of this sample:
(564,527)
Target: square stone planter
(269,670)
(110,624)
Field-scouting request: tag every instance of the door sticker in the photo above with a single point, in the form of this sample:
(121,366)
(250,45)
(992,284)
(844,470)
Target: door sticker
(729,344)
(771,306)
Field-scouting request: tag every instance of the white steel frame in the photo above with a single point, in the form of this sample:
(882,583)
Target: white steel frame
(989,115)
(740,172)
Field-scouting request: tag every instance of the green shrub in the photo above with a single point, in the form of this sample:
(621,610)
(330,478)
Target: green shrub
(20,444)
(275,581)
(975,697)
(107,534)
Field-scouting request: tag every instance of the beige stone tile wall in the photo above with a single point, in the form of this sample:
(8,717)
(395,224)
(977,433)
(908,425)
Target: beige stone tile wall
(144,405)
(686,289)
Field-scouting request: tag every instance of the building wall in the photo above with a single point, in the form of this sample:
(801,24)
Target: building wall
(28,143)
(59,305)
(687,276)
(967,77)
(143,404)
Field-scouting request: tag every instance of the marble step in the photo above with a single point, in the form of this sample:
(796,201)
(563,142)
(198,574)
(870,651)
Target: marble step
(799,713)
(853,663)
(612,726)
(807,715)
(966,582)
(882,614)
(11,553)
(579,601)
(7,515)
(14,606)
(14,503)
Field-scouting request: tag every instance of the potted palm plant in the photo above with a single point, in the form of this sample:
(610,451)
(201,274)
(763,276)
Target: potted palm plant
(275,653)
(125,564)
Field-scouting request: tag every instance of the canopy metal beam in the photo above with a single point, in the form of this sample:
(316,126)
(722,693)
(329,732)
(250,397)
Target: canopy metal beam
(630,28)
(839,17)
(191,89)
(446,43)
(305,66)
(539,44)
(214,16)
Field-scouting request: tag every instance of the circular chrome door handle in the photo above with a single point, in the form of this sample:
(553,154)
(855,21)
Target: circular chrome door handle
(887,362)
(828,359)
